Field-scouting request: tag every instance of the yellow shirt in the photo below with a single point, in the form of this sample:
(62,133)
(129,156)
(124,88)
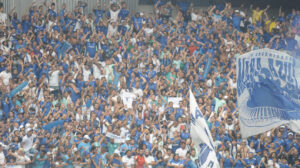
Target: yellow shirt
(271,25)
(256,16)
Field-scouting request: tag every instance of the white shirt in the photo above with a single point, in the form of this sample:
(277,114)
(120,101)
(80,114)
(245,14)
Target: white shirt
(112,30)
(3,18)
(129,162)
(148,31)
(181,152)
(114,15)
(270,164)
(2,158)
(149,159)
(96,71)
(5,77)
(86,73)
(28,142)
(172,130)
(194,16)
(54,78)
(297,38)
(22,159)
(229,127)
(128,98)
(138,91)
(232,84)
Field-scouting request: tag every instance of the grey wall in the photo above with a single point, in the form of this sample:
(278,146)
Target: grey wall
(23,5)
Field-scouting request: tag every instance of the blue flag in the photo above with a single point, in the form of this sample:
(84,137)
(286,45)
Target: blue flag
(268,92)
(18,89)
(53,124)
(207,67)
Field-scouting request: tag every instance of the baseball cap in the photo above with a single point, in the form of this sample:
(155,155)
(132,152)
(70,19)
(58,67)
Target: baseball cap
(86,137)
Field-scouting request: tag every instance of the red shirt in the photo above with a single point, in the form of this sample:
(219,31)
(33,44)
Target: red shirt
(140,161)
(192,49)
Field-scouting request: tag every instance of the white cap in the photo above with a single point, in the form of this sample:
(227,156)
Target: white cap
(236,11)
(87,137)
(28,129)
(27,125)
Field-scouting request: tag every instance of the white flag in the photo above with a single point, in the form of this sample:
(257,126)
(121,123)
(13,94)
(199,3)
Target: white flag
(268,92)
(201,137)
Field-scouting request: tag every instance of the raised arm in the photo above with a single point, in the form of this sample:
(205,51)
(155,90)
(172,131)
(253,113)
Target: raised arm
(210,12)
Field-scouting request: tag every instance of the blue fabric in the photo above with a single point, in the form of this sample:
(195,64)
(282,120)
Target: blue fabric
(18,89)
(53,124)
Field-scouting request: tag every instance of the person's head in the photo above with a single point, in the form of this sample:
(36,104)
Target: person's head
(257,8)
(238,155)
(176,157)
(64,6)
(53,6)
(21,152)
(140,152)
(147,152)
(86,138)
(250,155)
(183,144)
(128,153)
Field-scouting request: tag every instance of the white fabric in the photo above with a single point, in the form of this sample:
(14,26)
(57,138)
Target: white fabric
(273,69)
(175,101)
(201,135)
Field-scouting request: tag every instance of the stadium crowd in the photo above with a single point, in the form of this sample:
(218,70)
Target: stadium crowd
(109,88)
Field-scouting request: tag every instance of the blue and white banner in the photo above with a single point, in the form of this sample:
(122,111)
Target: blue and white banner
(117,138)
(201,137)
(268,92)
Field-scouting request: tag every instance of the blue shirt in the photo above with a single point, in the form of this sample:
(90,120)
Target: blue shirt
(91,48)
(291,44)
(236,21)
(183,6)
(97,159)
(123,14)
(84,147)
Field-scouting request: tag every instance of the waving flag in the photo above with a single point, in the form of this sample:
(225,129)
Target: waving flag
(201,137)
(268,92)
